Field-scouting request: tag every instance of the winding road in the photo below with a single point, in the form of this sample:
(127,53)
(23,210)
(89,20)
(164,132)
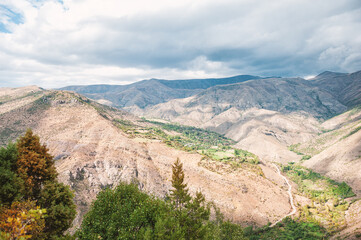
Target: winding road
(294,210)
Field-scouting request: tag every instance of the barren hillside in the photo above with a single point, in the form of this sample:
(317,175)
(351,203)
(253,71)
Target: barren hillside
(92,153)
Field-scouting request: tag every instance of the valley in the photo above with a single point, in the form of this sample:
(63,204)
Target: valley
(260,149)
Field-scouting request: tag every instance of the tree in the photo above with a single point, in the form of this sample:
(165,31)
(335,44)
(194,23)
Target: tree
(11,185)
(34,164)
(179,195)
(22,220)
(122,213)
(192,213)
(28,173)
(57,199)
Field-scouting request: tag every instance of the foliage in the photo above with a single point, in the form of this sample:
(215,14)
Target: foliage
(192,213)
(210,144)
(294,148)
(29,189)
(123,213)
(288,229)
(61,210)
(204,137)
(179,193)
(332,189)
(11,185)
(328,205)
(127,213)
(22,220)
(34,164)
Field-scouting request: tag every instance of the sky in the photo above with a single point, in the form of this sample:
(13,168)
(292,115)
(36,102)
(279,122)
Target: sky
(56,43)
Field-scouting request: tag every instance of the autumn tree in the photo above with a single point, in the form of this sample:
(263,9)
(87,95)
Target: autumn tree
(34,164)
(27,183)
(23,220)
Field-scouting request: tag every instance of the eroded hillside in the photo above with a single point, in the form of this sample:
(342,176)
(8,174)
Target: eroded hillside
(93,152)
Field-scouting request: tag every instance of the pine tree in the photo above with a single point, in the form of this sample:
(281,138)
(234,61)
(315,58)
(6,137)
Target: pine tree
(179,195)
(34,164)
(191,213)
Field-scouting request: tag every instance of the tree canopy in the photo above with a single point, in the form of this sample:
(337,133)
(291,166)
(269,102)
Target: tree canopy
(33,204)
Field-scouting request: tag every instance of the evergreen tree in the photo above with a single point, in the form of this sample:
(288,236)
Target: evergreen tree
(57,199)
(34,164)
(11,185)
(191,213)
(179,195)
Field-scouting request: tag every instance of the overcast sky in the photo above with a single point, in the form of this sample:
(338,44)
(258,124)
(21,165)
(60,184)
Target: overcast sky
(53,43)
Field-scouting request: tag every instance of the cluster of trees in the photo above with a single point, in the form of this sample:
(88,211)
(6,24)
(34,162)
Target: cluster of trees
(127,213)
(33,204)
(288,229)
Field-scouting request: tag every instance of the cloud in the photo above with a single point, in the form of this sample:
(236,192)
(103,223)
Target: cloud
(56,43)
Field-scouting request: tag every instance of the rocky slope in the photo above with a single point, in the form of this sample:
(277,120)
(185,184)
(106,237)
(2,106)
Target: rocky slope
(337,152)
(92,153)
(151,92)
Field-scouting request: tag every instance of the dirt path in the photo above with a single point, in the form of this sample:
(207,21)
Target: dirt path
(289,191)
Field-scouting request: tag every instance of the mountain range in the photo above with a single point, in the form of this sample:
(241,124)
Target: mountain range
(314,123)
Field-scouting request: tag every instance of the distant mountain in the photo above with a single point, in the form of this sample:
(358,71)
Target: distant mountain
(268,113)
(151,92)
(346,88)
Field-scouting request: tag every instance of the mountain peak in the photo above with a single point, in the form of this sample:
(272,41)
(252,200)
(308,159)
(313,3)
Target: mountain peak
(329,74)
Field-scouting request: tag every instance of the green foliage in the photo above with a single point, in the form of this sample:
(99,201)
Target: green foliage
(192,213)
(11,185)
(210,144)
(294,148)
(332,189)
(123,213)
(305,157)
(127,213)
(328,204)
(179,194)
(204,138)
(61,210)
(288,229)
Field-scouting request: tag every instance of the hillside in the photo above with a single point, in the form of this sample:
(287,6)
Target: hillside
(97,146)
(267,113)
(151,92)
(346,88)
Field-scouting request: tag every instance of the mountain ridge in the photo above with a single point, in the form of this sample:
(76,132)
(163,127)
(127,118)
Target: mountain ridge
(153,91)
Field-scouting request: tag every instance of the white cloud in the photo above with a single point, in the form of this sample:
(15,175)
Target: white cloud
(112,41)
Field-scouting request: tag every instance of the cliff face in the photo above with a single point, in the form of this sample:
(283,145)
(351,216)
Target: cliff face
(91,154)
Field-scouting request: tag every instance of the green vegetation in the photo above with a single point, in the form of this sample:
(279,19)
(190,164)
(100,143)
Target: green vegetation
(288,229)
(204,139)
(211,145)
(294,148)
(127,213)
(32,203)
(328,197)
